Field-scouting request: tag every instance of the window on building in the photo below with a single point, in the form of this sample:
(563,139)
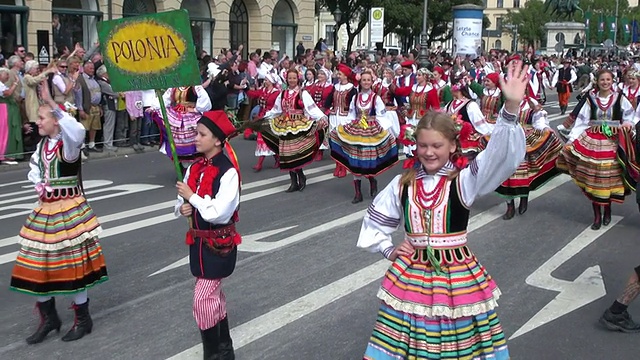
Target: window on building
(284,28)
(202,24)
(239,26)
(516,3)
(498,45)
(74,21)
(499,24)
(500,4)
(13,26)
(328,35)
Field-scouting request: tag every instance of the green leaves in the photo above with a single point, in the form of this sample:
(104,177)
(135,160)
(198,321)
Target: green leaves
(530,20)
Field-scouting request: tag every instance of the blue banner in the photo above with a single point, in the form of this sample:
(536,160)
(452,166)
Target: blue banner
(635,30)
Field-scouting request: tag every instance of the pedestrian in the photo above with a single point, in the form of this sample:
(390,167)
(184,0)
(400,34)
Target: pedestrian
(438,302)
(60,253)
(563,80)
(616,317)
(210,196)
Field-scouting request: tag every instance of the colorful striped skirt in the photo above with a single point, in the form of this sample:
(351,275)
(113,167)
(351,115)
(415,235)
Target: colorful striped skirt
(427,314)
(365,151)
(183,130)
(295,146)
(538,167)
(602,166)
(60,252)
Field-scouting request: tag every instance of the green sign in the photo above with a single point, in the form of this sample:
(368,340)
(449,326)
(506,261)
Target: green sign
(149,52)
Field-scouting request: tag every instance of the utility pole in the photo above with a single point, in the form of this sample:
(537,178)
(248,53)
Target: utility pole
(424,55)
(615,29)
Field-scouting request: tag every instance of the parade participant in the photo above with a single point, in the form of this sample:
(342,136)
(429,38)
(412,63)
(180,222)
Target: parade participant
(185,106)
(322,94)
(563,80)
(491,98)
(441,86)
(475,125)
(598,143)
(310,77)
(296,130)
(364,145)
(631,86)
(423,97)
(437,301)
(616,317)
(60,253)
(401,88)
(210,196)
(343,93)
(539,164)
(381,88)
(538,81)
(266,100)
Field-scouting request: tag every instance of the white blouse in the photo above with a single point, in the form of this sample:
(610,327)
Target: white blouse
(311,110)
(501,158)
(629,115)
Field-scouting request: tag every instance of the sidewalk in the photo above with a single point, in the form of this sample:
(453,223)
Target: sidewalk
(122,151)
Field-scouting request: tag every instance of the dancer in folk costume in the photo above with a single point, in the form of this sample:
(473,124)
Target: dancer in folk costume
(441,86)
(538,82)
(322,94)
(401,89)
(474,125)
(210,196)
(491,98)
(381,88)
(364,145)
(600,153)
(185,106)
(563,80)
(539,165)
(631,86)
(266,100)
(343,93)
(438,302)
(296,129)
(422,98)
(60,253)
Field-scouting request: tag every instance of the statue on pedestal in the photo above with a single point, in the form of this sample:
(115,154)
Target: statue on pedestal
(563,8)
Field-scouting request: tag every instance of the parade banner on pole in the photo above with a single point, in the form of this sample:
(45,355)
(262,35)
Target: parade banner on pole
(149,52)
(587,24)
(600,27)
(635,31)
(626,28)
(612,27)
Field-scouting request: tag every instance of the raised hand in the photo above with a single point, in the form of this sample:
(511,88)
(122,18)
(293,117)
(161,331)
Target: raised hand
(515,85)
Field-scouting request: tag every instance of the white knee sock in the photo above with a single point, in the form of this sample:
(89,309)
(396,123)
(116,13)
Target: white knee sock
(80,298)
(44,298)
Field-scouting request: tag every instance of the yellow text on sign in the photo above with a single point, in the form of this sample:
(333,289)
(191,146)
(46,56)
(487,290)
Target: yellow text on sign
(145,47)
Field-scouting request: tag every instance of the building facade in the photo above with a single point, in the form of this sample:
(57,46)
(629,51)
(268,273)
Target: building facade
(263,24)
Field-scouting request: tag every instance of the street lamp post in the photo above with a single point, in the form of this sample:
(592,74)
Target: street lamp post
(337,16)
(424,55)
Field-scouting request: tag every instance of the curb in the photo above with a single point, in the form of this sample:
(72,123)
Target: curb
(122,151)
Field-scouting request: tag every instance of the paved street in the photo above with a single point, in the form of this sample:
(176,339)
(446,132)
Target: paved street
(302,290)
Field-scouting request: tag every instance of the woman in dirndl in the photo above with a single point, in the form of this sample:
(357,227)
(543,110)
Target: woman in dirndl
(600,154)
(490,96)
(422,98)
(296,129)
(322,94)
(437,300)
(343,93)
(59,249)
(539,164)
(185,106)
(364,145)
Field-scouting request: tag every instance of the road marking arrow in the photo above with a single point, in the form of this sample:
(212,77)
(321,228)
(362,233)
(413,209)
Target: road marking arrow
(252,238)
(586,288)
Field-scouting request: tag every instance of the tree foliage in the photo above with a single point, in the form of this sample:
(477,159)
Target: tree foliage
(404,17)
(355,15)
(530,20)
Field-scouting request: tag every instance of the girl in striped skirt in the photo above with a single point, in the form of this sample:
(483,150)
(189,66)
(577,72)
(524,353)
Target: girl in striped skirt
(60,253)
(539,165)
(438,302)
(600,154)
(364,145)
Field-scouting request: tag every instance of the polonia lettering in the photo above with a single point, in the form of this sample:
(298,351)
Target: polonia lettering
(150,48)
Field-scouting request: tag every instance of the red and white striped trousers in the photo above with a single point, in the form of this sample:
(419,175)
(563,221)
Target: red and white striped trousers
(209,303)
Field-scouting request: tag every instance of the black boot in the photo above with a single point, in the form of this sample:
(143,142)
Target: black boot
(211,343)
(563,109)
(357,184)
(49,321)
(511,210)
(373,186)
(606,217)
(302,180)
(82,324)
(294,182)
(522,207)
(226,344)
(597,217)
(619,322)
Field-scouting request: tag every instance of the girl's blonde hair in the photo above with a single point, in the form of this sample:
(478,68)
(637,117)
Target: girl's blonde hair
(445,125)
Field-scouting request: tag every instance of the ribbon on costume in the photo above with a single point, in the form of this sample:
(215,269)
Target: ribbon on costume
(43,187)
